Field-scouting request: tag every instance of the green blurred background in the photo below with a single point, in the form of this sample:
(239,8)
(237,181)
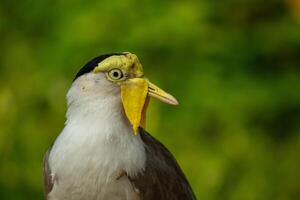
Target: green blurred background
(233,65)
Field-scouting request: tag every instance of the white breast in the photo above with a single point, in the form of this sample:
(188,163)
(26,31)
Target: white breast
(96,144)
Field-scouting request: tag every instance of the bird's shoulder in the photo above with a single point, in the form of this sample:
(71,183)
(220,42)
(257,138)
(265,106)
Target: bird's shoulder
(47,176)
(162,177)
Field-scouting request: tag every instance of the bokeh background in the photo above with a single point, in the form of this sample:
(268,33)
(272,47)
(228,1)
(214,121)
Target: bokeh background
(233,65)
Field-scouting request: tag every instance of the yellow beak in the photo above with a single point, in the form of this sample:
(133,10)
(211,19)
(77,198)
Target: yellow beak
(135,94)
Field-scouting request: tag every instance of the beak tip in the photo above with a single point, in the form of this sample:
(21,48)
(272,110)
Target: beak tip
(173,101)
(161,95)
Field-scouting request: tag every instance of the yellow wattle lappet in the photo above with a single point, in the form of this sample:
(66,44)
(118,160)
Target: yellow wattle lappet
(134,87)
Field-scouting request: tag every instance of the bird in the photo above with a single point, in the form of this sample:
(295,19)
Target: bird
(103,151)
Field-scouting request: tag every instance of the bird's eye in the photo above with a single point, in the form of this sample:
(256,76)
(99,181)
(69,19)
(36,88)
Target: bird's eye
(115,74)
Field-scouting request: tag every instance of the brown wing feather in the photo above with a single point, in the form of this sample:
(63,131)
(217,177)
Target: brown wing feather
(162,179)
(48,184)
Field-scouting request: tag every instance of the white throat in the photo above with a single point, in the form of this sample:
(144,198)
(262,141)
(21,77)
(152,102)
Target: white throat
(97,141)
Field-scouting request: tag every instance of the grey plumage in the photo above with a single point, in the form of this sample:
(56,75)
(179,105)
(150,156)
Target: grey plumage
(163,179)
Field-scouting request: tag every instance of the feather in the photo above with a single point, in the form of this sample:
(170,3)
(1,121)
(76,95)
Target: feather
(162,179)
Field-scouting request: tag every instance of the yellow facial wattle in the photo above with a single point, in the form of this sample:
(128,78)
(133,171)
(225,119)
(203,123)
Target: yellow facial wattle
(135,89)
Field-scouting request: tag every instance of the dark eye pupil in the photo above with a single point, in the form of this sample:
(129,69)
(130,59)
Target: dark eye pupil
(116,74)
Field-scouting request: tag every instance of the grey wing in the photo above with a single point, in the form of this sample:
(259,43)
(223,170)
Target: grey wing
(162,179)
(48,184)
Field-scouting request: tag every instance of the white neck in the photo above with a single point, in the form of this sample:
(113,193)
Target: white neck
(97,137)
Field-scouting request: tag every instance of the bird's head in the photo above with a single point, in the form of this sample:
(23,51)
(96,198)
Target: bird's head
(124,71)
